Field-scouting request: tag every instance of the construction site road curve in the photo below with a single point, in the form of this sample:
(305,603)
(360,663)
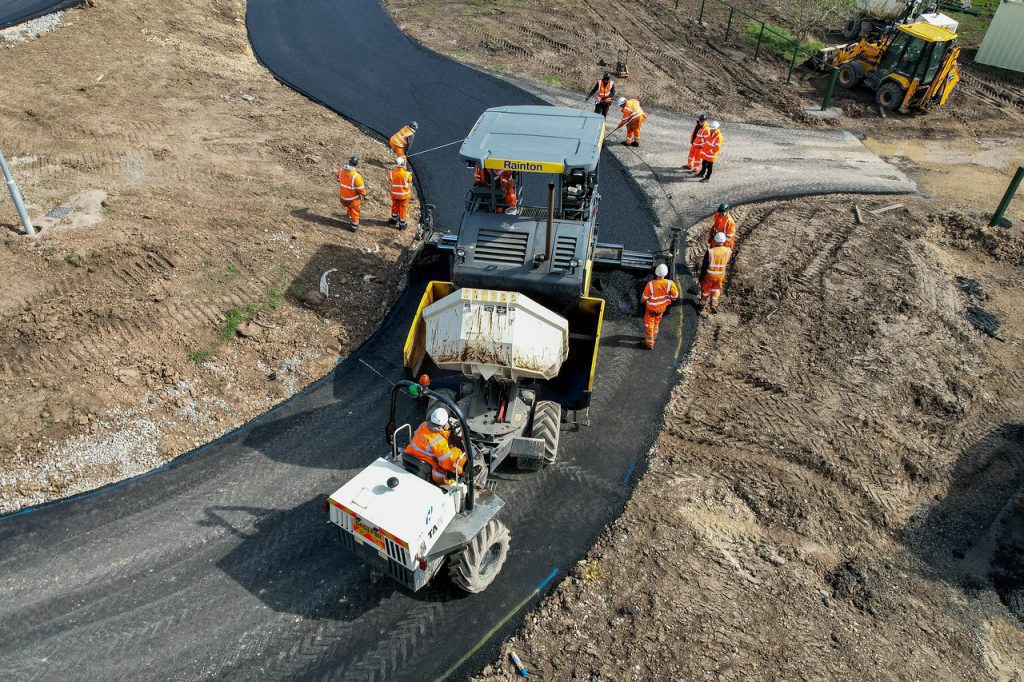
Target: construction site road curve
(223,564)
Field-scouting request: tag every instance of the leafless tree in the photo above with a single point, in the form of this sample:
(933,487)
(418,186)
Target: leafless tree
(805,17)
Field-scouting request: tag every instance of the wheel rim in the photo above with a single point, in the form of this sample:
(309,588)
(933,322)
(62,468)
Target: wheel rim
(845,77)
(490,558)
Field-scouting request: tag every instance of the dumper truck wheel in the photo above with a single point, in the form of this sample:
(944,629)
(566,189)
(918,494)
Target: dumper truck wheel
(475,567)
(547,420)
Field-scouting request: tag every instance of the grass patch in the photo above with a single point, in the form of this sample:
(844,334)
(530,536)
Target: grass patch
(235,318)
(972,28)
(556,80)
(232,269)
(500,68)
(779,41)
(199,356)
(74,259)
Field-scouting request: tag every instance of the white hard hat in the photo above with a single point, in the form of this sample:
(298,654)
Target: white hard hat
(661,270)
(439,417)
(715,125)
(622,100)
(720,237)
(400,161)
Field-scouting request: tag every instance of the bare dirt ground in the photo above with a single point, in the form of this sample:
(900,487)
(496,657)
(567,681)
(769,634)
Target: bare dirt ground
(167,308)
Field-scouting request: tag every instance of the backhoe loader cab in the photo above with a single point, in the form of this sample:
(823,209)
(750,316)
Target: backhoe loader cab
(911,68)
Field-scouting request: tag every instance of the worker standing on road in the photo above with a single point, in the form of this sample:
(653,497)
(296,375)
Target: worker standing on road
(351,189)
(632,117)
(430,444)
(400,184)
(700,129)
(603,93)
(657,297)
(722,221)
(710,147)
(401,142)
(711,281)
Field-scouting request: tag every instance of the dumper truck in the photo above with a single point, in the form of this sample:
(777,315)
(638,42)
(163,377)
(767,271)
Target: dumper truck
(508,344)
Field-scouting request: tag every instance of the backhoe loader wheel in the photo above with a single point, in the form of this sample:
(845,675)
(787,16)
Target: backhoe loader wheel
(890,95)
(547,420)
(475,567)
(851,74)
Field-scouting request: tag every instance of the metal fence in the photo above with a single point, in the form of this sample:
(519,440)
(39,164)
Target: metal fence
(797,49)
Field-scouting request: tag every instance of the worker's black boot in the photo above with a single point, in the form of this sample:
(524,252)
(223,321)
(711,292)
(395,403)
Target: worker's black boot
(393,220)
(402,224)
(636,143)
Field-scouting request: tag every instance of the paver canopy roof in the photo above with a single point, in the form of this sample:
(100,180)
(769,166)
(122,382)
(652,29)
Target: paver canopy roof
(535,139)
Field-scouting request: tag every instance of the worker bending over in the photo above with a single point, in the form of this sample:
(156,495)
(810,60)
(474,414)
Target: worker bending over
(722,221)
(351,189)
(657,297)
(632,117)
(710,146)
(430,444)
(603,93)
(401,142)
(400,183)
(700,129)
(711,281)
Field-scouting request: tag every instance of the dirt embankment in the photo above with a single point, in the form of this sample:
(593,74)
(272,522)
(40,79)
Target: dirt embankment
(828,496)
(166,308)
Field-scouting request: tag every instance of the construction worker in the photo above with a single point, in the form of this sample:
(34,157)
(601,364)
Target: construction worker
(722,221)
(400,184)
(401,142)
(430,444)
(712,280)
(351,189)
(482,177)
(711,144)
(657,297)
(507,184)
(632,117)
(603,93)
(700,129)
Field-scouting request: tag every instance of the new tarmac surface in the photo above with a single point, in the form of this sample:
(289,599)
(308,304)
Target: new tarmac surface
(13,12)
(223,564)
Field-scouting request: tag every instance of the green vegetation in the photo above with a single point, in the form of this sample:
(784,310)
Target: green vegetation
(46,415)
(557,81)
(232,269)
(500,68)
(779,41)
(235,318)
(199,356)
(74,259)
(972,28)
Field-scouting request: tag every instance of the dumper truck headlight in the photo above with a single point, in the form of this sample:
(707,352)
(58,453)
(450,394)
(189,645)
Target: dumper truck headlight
(574,263)
(461,253)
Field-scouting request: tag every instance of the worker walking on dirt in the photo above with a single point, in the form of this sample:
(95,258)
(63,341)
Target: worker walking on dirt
(401,142)
(400,185)
(430,444)
(700,129)
(722,221)
(711,145)
(657,297)
(603,93)
(712,280)
(632,117)
(351,190)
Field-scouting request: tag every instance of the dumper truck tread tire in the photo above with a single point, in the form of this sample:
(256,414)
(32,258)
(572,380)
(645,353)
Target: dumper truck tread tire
(890,95)
(851,74)
(547,421)
(475,567)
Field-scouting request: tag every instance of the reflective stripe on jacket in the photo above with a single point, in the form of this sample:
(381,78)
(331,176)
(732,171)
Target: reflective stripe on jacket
(605,90)
(401,138)
(711,145)
(723,222)
(718,258)
(400,181)
(632,113)
(350,183)
(659,293)
(432,447)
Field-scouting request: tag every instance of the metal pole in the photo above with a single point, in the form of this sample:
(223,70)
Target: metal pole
(757,51)
(700,20)
(728,27)
(1007,197)
(16,196)
(792,63)
(830,90)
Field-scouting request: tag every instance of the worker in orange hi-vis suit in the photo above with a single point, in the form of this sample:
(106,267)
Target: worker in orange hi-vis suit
(351,189)
(430,444)
(507,184)
(657,297)
(700,129)
(722,221)
(401,142)
(711,282)
(632,117)
(711,146)
(400,185)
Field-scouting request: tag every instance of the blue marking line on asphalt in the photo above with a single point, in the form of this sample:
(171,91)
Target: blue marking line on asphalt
(629,473)
(516,609)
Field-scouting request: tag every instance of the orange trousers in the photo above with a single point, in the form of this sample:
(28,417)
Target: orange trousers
(652,321)
(399,209)
(352,208)
(711,289)
(399,151)
(633,131)
(694,159)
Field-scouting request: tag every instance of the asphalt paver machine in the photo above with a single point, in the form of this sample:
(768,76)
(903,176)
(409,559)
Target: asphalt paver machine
(508,345)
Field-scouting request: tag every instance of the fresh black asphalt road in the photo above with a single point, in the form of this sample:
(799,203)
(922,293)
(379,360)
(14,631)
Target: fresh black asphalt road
(14,12)
(223,564)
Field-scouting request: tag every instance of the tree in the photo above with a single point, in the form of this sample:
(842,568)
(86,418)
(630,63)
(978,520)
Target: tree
(815,16)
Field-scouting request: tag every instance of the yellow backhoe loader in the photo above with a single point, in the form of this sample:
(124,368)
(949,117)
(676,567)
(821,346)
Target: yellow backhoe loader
(910,68)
